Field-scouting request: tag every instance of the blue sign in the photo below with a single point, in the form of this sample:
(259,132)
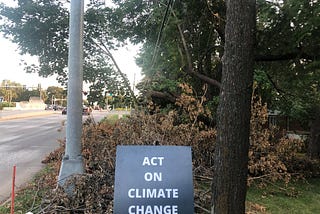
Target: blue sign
(153,180)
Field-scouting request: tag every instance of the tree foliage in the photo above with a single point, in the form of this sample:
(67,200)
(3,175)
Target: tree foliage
(15,92)
(183,41)
(55,95)
(188,44)
(40,28)
(287,66)
(287,53)
(180,43)
(288,59)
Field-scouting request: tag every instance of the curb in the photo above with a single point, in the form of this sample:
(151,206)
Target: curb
(26,115)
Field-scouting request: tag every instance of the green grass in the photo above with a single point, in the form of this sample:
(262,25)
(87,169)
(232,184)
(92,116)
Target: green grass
(28,198)
(302,197)
(4,210)
(113,118)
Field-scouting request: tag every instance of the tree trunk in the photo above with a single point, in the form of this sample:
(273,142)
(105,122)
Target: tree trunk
(233,124)
(314,144)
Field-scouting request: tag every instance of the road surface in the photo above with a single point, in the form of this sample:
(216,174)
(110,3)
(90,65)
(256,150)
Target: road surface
(24,143)
(26,137)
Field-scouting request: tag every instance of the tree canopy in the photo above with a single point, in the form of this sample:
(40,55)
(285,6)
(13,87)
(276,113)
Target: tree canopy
(40,28)
(182,42)
(287,54)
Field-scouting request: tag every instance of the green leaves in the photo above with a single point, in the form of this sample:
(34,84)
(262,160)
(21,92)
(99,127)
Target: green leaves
(40,28)
(286,47)
(163,58)
(288,43)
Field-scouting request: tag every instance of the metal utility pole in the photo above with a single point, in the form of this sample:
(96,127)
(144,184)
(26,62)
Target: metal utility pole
(72,162)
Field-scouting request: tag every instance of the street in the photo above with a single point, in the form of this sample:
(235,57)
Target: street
(26,137)
(24,143)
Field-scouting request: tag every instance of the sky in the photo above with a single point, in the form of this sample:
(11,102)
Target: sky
(11,69)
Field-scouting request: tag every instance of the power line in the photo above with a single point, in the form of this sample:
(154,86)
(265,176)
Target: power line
(164,20)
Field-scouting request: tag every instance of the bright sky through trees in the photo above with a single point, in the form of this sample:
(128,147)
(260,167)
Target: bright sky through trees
(11,68)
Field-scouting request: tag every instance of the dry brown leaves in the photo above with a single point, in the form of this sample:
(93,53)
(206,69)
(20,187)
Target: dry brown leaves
(269,156)
(271,153)
(94,189)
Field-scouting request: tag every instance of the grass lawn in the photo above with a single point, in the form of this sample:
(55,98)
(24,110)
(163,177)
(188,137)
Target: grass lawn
(112,118)
(302,197)
(29,197)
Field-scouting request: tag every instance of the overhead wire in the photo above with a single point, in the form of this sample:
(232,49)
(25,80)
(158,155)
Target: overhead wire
(164,21)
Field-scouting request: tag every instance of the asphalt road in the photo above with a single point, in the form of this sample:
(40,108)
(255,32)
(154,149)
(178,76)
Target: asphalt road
(26,137)
(24,143)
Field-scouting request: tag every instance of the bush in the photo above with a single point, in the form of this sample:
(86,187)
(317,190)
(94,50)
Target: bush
(7,104)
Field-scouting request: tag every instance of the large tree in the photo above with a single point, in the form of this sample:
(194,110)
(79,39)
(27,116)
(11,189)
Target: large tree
(186,45)
(231,151)
(182,42)
(55,95)
(192,43)
(288,61)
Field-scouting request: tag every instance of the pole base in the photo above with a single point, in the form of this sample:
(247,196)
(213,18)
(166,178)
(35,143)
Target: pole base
(68,169)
